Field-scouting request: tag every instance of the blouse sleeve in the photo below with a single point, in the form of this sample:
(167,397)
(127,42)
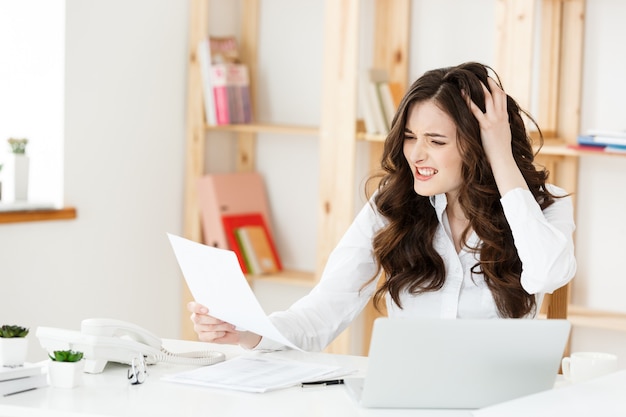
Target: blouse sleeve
(315,320)
(544,239)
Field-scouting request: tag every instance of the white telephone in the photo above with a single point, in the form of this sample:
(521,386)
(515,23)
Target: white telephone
(109,340)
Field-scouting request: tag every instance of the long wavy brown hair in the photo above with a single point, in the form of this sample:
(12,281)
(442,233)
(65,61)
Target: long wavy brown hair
(404,248)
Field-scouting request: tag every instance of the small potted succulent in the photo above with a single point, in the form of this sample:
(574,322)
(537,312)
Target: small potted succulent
(16,171)
(13,345)
(65,369)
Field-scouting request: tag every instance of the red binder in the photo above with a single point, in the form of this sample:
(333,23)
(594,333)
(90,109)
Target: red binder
(233,223)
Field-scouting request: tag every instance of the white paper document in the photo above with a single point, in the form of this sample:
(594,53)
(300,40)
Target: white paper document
(255,374)
(216,280)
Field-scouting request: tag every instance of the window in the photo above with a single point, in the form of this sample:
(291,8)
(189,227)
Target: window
(32,55)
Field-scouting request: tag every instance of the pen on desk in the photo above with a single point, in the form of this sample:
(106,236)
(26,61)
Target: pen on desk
(322,383)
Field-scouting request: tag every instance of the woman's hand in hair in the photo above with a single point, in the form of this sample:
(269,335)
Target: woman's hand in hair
(495,132)
(495,129)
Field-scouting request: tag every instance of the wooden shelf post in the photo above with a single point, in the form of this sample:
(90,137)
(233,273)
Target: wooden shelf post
(391,52)
(337,140)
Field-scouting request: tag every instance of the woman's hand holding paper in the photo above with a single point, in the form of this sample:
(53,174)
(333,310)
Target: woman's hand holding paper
(213,330)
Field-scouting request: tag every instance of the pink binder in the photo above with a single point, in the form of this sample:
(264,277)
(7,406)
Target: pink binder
(228,194)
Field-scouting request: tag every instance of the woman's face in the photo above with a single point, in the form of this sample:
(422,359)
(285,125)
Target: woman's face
(430,148)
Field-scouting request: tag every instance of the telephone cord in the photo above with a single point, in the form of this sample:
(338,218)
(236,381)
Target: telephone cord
(190,358)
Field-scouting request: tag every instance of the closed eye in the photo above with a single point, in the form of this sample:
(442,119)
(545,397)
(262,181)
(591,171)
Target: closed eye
(408,135)
(436,139)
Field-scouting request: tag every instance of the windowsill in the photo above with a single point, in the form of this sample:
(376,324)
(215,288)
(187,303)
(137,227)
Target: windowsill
(18,216)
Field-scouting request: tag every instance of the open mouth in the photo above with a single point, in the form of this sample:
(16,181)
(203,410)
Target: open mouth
(426,172)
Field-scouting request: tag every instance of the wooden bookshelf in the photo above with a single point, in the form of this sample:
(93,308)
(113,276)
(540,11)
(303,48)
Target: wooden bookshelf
(198,130)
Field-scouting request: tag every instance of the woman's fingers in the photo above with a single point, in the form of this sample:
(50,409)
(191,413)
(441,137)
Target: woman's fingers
(217,333)
(195,307)
(209,328)
(495,106)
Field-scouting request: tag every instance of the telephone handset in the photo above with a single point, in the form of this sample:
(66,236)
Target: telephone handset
(110,340)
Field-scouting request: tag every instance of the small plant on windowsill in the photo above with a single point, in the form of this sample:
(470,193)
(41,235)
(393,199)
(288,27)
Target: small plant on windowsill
(66,368)
(16,171)
(13,345)
(18,145)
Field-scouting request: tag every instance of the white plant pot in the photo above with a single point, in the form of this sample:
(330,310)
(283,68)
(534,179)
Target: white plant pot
(13,351)
(66,374)
(14,177)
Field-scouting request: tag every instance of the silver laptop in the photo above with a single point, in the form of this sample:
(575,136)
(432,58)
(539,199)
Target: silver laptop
(439,363)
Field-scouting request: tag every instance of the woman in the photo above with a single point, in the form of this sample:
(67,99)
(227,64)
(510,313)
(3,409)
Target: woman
(462,224)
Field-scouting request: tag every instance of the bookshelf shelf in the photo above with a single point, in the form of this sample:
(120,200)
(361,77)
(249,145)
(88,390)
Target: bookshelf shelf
(368,137)
(290,277)
(265,128)
(587,317)
(560,147)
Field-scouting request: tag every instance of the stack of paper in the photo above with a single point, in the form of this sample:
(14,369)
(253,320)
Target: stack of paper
(256,374)
(22,378)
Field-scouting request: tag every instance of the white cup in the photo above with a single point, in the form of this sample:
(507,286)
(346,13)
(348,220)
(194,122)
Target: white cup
(582,366)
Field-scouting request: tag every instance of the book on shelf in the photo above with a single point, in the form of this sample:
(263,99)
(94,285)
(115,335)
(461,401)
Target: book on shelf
(238,85)
(258,250)
(204,59)
(378,100)
(588,141)
(367,107)
(385,98)
(605,143)
(373,95)
(603,138)
(220,94)
(249,237)
(23,378)
(229,194)
(225,81)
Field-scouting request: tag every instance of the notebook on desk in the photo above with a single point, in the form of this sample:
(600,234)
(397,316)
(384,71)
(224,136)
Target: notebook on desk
(439,363)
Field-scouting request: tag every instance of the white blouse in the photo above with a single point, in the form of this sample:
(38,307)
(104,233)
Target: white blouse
(544,244)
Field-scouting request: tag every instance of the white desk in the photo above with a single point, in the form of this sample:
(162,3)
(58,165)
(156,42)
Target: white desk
(110,394)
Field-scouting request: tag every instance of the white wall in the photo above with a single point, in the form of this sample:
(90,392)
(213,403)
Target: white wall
(124,154)
(124,138)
